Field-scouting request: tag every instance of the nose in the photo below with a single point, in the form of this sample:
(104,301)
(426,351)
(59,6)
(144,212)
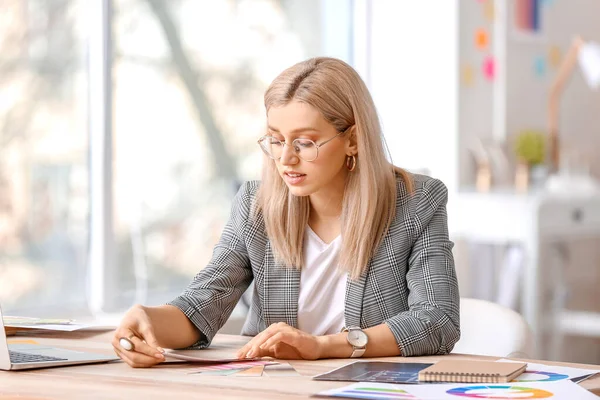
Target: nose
(288,156)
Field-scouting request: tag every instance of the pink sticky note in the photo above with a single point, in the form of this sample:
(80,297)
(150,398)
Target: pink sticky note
(489,68)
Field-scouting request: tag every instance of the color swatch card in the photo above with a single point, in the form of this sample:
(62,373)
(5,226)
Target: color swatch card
(280,370)
(230,366)
(208,356)
(252,372)
(560,390)
(222,372)
(551,373)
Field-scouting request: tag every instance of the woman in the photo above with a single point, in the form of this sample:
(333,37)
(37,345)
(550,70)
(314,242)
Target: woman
(334,237)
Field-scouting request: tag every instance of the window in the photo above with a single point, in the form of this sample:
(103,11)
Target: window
(189,78)
(43,156)
(140,116)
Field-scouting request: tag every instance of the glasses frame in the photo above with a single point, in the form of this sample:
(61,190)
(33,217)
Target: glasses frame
(317,146)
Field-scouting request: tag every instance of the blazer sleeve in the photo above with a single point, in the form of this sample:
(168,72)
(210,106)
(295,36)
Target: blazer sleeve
(432,323)
(212,295)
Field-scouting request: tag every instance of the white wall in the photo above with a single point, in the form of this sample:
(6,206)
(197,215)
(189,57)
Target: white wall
(412,75)
(475,99)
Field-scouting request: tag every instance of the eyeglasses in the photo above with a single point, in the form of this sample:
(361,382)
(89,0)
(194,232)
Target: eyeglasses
(305,149)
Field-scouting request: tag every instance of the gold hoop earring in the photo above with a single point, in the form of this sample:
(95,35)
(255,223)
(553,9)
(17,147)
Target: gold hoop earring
(351,163)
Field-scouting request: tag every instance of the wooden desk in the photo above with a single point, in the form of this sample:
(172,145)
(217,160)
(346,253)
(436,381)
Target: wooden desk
(117,380)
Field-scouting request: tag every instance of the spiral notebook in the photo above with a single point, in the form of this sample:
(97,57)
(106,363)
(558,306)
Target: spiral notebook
(470,371)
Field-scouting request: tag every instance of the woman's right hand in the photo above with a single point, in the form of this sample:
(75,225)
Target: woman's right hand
(136,326)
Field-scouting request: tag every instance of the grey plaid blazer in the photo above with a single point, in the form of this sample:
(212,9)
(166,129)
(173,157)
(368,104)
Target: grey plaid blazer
(410,283)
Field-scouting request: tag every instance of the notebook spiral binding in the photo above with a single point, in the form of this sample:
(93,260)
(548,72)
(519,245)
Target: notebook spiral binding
(461,377)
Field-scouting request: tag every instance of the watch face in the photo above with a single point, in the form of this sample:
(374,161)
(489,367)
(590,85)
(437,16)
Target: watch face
(357,338)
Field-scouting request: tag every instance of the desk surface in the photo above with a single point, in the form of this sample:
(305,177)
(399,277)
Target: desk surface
(117,380)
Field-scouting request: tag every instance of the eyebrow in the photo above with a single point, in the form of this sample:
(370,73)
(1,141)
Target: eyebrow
(298,130)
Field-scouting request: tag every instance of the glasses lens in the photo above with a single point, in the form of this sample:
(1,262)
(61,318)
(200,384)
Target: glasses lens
(271,146)
(306,149)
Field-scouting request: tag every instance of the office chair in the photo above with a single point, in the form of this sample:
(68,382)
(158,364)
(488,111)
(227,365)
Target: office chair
(493,330)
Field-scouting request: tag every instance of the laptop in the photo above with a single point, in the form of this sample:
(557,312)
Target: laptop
(30,356)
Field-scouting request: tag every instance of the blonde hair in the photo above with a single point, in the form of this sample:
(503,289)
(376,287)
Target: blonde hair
(369,203)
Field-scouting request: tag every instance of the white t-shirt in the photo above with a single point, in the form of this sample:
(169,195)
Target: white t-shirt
(322,287)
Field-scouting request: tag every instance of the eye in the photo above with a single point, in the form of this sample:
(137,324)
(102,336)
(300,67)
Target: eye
(273,141)
(304,143)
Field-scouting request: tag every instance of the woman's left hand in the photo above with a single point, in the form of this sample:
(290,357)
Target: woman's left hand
(283,342)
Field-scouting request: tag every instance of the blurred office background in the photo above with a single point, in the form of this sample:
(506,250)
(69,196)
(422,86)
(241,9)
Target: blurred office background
(126,127)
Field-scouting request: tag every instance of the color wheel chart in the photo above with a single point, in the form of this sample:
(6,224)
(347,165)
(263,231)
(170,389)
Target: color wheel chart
(540,376)
(550,373)
(559,390)
(500,392)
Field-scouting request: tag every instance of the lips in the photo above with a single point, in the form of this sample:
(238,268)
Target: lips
(294,178)
(294,174)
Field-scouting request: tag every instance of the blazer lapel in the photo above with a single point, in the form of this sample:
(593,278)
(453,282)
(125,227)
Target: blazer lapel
(282,287)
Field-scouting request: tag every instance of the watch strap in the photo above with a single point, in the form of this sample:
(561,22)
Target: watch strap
(358,352)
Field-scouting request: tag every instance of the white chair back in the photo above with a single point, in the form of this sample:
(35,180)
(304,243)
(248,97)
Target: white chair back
(493,330)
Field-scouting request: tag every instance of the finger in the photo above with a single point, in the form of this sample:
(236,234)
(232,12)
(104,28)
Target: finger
(142,359)
(135,359)
(284,352)
(243,352)
(123,357)
(289,338)
(116,341)
(268,352)
(139,345)
(280,351)
(245,348)
(255,350)
(148,335)
(143,348)
(118,354)
(121,333)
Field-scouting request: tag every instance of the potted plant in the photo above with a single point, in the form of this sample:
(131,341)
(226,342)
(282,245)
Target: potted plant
(530,149)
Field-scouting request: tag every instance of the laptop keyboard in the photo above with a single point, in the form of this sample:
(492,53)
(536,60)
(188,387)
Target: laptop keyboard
(16,357)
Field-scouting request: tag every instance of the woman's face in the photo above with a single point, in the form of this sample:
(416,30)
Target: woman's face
(297,120)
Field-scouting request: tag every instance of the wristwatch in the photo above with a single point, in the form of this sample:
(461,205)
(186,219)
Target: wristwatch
(358,339)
